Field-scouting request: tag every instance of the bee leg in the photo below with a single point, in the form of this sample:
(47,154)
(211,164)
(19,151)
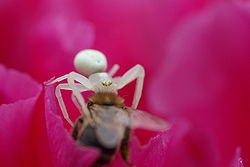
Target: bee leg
(124,149)
(77,128)
(104,159)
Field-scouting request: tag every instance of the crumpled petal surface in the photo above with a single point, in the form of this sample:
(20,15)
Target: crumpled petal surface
(206,76)
(65,151)
(19,93)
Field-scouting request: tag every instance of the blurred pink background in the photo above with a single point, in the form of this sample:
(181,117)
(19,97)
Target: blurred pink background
(196,54)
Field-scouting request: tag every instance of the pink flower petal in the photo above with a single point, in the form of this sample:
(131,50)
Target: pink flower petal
(152,154)
(135,32)
(189,147)
(16,86)
(237,161)
(206,76)
(47,38)
(181,146)
(20,93)
(57,34)
(65,151)
(131,33)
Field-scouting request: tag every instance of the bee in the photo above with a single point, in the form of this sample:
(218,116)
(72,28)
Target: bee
(109,125)
(105,121)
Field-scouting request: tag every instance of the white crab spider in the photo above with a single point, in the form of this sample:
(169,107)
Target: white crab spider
(92,63)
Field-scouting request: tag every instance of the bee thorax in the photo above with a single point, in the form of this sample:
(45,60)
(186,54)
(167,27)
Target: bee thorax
(106,98)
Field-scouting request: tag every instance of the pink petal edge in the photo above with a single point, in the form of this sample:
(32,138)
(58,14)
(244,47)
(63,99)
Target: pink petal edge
(65,151)
(180,146)
(237,161)
(20,93)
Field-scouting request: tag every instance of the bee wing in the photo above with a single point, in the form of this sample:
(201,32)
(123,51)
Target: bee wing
(109,136)
(109,131)
(141,119)
(112,122)
(133,118)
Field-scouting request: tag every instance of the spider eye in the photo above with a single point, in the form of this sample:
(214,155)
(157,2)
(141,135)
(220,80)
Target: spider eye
(90,61)
(107,83)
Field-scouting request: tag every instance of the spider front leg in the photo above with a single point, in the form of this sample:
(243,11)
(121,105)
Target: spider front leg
(74,99)
(138,73)
(60,99)
(57,79)
(72,77)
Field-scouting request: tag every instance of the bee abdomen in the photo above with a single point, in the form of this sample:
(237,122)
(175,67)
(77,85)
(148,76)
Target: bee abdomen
(89,138)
